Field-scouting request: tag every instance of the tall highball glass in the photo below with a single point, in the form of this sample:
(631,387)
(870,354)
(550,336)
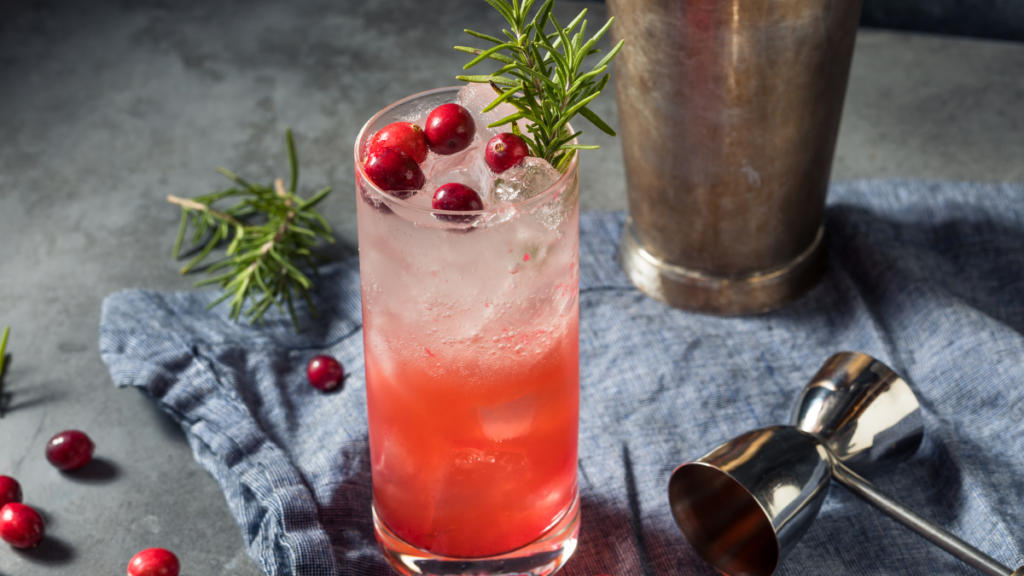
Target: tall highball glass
(471,335)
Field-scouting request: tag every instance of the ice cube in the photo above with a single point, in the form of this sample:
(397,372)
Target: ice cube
(523,181)
(475,96)
(392,462)
(490,478)
(467,167)
(508,420)
(486,473)
(436,166)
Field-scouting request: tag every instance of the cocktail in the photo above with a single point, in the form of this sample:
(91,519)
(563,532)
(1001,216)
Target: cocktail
(469,263)
(470,323)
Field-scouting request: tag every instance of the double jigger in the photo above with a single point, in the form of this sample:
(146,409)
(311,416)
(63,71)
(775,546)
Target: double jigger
(745,504)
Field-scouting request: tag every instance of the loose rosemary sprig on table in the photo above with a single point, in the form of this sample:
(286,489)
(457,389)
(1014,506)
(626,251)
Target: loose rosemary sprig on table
(3,351)
(3,361)
(552,89)
(272,232)
(3,354)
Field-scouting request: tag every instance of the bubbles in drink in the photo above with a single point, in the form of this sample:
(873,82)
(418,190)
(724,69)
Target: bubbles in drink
(473,461)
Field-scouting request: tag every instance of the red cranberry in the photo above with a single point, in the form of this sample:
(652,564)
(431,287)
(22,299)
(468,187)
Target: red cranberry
(450,129)
(154,562)
(404,136)
(394,171)
(324,373)
(456,197)
(21,526)
(10,490)
(505,151)
(69,450)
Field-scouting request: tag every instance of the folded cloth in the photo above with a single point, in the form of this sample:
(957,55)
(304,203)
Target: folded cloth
(927,277)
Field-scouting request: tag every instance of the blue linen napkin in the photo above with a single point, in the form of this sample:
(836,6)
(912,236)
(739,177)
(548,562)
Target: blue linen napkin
(927,277)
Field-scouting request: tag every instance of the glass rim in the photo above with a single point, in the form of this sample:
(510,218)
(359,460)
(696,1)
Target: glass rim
(493,209)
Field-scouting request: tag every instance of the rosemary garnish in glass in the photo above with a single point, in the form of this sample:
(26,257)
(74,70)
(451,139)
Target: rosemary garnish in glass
(544,84)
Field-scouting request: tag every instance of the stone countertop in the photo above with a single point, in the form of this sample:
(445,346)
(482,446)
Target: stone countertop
(107,107)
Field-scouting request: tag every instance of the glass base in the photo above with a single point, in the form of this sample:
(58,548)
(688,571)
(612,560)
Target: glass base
(542,557)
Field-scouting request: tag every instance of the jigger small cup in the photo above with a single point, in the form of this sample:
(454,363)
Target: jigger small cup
(863,411)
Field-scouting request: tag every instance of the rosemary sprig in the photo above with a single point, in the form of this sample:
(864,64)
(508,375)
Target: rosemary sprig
(3,360)
(3,352)
(272,232)
(546,85)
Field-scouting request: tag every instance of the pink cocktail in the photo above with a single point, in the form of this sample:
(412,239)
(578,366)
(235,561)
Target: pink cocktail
(472,359)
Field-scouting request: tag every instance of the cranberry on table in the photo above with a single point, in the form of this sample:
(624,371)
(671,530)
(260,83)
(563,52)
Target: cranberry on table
(69,450)
(393,171)
(404,136)
(505,151)
(450,129)
(324,373)
(154,562)
(10,490)
(20,525)
(456,197)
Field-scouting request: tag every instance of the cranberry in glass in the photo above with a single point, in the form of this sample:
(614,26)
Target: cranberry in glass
(324,373)
(10,490)
(505,151)
(69,450)
(404,136)
(394,171)
(456,197)
(450,129)
(154,562)
(20,525)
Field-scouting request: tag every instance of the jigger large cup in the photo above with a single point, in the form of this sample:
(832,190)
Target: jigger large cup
(729,113)
(746,503)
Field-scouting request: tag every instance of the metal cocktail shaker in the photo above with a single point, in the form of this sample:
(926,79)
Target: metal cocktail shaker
(729,111)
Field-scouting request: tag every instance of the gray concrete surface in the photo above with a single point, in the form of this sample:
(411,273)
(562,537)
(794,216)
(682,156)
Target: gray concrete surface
(106,107)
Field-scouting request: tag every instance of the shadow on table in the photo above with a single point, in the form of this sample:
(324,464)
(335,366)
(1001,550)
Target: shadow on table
(617,536)
(338,251)
(887,267)
(348,519)
(26,397)
(51,551)
(170,429)
(97,471)
(979,261)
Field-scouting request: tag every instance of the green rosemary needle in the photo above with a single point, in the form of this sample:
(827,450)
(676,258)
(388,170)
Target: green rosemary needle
(3,353)
(271,233)
(3,360)
(544,84)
